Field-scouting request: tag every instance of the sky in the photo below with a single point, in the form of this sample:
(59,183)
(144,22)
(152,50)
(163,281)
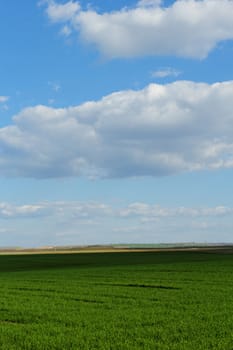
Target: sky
(116,122)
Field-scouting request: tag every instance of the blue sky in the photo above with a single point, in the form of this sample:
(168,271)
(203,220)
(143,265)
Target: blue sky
(116,122)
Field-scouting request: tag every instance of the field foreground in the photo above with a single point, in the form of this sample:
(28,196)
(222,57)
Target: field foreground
(131,300)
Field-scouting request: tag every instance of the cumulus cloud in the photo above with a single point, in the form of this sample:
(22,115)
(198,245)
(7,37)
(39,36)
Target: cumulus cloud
(187,28)
(160,130)
(62,12)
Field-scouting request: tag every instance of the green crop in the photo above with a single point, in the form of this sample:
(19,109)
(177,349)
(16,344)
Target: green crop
(118,301)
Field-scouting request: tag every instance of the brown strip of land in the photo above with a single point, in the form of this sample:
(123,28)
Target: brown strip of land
(227,249)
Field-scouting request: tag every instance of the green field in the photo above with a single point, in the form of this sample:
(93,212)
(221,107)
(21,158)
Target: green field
(143,300)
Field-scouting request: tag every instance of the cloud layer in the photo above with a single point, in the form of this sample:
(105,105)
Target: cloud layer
(160,130)
(77,210)
(89,222)
(93,210)
(187,28)
(147,211)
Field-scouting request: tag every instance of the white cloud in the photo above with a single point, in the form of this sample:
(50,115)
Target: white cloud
(165,72)
(187,28)
(76,210)
(91,210)
(73,222)
(82,210)
(148,212)
(4,99)
(9,210)
(62,12)
(160,130)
